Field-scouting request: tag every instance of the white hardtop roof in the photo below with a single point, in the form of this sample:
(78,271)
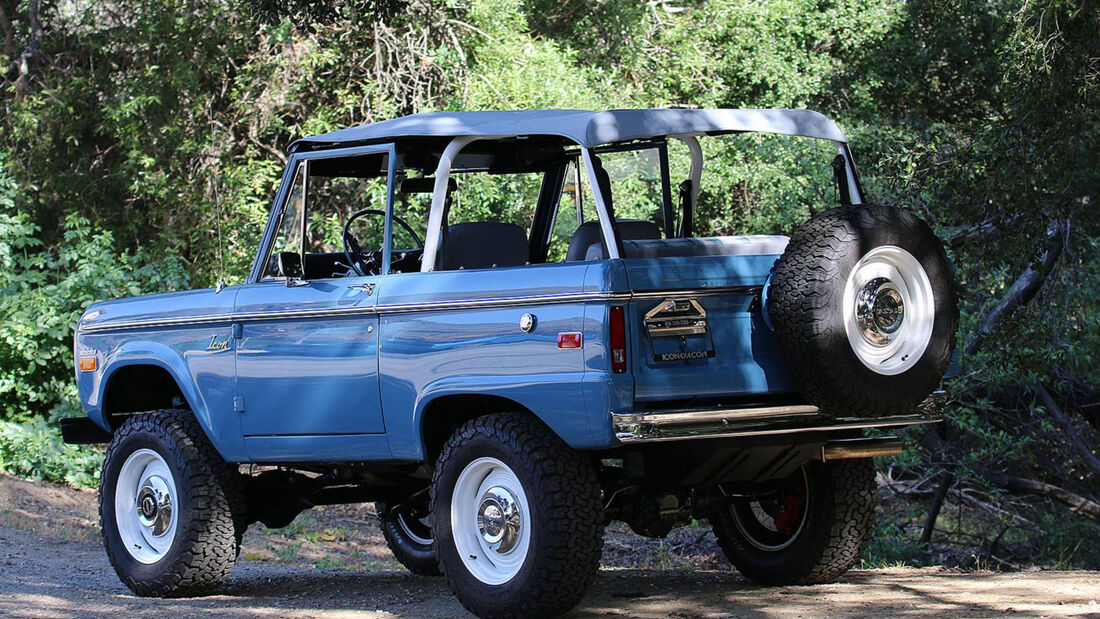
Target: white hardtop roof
(586,128)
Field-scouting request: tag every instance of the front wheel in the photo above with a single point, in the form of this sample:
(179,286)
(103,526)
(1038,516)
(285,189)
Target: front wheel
(517,518)
(166,503)
(809,528)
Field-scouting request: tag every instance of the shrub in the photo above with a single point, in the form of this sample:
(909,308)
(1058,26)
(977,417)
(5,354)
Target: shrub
(34,450)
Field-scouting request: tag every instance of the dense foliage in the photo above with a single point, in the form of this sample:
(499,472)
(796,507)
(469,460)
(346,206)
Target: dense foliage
(140,144)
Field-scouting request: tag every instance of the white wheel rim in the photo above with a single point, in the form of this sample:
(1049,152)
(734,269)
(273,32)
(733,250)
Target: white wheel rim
(403,522)
(889,310)
(490,521)
(767,521)
(146,506)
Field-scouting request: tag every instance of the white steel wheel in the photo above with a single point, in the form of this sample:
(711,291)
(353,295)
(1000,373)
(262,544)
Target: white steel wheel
(775,522)
(146,506)
(418,530)
(490,521)
(889,310)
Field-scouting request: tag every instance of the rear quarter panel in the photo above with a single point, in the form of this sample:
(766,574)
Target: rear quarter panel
(439,338)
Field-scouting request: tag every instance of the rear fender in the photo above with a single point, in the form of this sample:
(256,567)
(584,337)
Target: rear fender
(558,400)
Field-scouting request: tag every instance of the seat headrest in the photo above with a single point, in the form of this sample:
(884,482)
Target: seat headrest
(587,242)
(484,245)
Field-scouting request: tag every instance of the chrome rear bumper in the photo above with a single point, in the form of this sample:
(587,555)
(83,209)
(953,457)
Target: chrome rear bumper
(679,425)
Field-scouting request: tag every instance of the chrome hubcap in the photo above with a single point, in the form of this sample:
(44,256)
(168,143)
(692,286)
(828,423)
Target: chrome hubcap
(879,311)
(154,505)
(146,506)
(889,310)
(498,520)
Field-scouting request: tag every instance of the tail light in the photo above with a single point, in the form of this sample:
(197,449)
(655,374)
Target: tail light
(618,340)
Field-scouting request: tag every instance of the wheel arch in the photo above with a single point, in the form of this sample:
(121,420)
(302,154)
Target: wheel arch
(143,364)
(159,389)
(442,415)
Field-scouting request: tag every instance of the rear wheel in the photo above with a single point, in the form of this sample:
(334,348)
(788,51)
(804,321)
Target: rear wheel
(408,532)
(517,517)
(810,528)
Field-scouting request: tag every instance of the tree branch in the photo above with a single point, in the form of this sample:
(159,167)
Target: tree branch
(1077,503)
(1063,419)
(1025,287)
(983,231)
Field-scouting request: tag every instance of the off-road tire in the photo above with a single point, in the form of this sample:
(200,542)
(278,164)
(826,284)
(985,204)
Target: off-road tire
(205,545)
(566,518)
(417,557)
(805,304)
(838,526)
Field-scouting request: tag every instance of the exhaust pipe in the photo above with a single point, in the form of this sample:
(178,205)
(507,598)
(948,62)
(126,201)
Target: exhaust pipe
(852,448)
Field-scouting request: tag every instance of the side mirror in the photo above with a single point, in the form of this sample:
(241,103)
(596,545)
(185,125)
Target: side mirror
(290,267)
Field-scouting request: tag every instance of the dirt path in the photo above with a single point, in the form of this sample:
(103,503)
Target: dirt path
(52,565)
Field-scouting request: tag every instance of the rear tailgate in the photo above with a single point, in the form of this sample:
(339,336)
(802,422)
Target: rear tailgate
(697,329)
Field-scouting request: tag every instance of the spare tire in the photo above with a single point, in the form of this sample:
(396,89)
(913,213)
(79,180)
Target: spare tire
(863,305)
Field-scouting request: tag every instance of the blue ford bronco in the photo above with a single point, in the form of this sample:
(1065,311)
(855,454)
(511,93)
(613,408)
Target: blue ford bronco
(505,370)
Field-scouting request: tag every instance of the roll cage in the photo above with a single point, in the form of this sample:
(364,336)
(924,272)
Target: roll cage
(408,149)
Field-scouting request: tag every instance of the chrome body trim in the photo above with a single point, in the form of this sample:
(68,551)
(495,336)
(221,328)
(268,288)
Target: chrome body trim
(650,427)
(460,304)
(545,299)
(723,416)
(695,292)
(126,325)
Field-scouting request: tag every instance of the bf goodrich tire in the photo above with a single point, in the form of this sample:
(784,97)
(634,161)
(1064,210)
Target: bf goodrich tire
(811,530)
(409,536)
(166,505)
(517,517)
(863,305)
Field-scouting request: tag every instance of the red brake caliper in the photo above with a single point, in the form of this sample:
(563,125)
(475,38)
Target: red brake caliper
(793,504)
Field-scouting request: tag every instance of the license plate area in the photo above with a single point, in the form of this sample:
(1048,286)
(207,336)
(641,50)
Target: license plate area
(678,331)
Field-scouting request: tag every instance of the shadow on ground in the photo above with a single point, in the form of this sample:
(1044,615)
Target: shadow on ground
(41,576)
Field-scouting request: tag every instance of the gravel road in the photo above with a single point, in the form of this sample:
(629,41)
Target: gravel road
(51,565)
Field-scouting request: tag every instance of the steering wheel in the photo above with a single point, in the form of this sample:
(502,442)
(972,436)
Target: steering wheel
(369,263)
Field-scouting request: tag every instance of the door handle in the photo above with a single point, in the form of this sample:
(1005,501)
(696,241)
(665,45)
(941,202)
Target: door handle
(367,288)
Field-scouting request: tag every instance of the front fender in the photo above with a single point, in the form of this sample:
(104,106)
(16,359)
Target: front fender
(222,429)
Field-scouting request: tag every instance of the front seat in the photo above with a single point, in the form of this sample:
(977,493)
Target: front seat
(587,242)
(484,245)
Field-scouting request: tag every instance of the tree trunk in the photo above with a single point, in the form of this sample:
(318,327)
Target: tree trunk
(22,83)
(946,480)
